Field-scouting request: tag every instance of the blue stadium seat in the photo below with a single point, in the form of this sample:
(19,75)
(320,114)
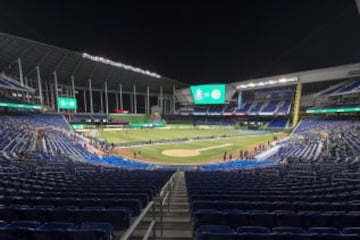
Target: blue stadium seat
(215,232)
(57,226)
(102,226)
(27,225)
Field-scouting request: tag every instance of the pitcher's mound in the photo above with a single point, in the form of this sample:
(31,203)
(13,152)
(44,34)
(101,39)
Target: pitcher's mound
(181,152)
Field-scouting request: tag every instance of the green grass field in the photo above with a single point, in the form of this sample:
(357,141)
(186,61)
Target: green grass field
(208,150)
(216,154)
(138,135)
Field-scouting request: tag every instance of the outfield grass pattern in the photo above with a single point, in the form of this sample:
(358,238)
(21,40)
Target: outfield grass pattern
(210,150)
(139,135)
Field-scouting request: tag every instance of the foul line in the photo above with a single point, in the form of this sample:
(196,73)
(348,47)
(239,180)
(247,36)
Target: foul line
(214,147)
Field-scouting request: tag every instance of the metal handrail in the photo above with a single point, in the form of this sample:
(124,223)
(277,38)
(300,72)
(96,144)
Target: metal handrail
(171,180)
(148,231)
(166,189)
(127,234)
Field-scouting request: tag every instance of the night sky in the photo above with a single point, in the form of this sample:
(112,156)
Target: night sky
(193,41)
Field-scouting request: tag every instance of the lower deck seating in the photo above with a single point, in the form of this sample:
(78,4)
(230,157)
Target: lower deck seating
(279,202)
(87,202)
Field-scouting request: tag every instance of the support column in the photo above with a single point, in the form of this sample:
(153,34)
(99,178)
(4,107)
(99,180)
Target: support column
(165,105)
(161,104)
(106,99)
(20,72)
(39,85)
(47,94)
(148,110)
(56,90)
(135,100)
(121,97)
(117,100)
(85,102)
(174,99)
(91,98)
(131,103)
(26,96)
(239,99)
(101,102)
(73,88)
(297,104)
(52,96)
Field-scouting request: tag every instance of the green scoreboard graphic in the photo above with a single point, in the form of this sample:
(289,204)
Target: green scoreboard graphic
(67,103)
(208,94)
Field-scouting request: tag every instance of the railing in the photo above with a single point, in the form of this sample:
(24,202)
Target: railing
(165,196)
(151,228)
(162,199)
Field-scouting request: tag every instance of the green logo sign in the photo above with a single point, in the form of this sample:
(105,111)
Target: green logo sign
(67,103)
(208,94)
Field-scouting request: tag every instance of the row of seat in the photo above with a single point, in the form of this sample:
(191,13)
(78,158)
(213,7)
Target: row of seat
(133,204)
(276,205)
(234,218)
(224,232)
(33,230)
(119,217)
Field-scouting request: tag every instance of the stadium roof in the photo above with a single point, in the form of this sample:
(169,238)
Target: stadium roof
(317,75)
(83,66)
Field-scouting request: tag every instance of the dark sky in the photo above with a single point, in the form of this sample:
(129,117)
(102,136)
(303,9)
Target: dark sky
(197,41)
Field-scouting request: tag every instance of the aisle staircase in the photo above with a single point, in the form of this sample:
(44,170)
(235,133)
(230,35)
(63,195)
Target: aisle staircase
(173,220)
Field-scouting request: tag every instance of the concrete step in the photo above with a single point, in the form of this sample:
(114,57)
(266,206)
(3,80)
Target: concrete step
(177,222)
(167,225)
(168,234)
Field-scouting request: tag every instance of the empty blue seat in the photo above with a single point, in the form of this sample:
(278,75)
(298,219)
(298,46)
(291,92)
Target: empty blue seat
(102,226)
(57,226)
(2,223)
(324,231)
(351,230)
(24,225)
(214,232)
(65,213)
(253,233)
(352,219)
(73,234)
(215,228)
(252,229)
(235,217)
(294,230)
(263,218)
(119,217)
(207,217)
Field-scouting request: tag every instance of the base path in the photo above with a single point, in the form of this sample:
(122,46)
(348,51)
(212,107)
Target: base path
(190,152)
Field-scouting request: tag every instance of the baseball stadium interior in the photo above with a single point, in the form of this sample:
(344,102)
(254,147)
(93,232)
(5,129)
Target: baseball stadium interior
(95,149)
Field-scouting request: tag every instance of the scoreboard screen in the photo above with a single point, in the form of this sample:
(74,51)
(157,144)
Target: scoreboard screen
(208,94)
(67,103)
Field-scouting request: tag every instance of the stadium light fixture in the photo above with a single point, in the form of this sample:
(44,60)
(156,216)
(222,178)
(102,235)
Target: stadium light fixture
(120,65)
(267,83)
